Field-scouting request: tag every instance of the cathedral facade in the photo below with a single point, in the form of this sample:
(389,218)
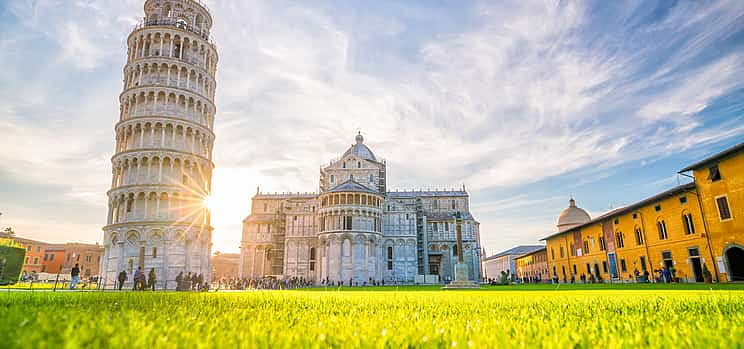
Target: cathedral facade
(354,230)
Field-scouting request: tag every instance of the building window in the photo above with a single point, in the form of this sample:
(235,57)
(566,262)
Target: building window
(689,225)
(635,215)
(620,242)
(682,200)
(344,164)
(266,207)
(36,260)
(154,252)
(588,269)
(643,263)
(453,204)
(347,223)
(38,249)
(623,266)
(129,205)
(572,250)
(87,258)
(312,259)
(617,221)
(359,164)
(434,225)
(436,204)
(714,174)
(574,269)
(46,257)
(601,243)
(662,230)
(604,267)
(552,253)
(455,251)
(657,208)
(561,250)
(723,208)
(371,178)
(332,178)
(586,246)
(390,258)
(446,226)
(638,236)
(51,257)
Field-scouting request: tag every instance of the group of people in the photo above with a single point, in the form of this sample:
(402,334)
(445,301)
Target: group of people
(141,282)
(264,283)
(191,282)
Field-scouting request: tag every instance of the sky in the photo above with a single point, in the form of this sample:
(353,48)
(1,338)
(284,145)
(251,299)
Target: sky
(526,103)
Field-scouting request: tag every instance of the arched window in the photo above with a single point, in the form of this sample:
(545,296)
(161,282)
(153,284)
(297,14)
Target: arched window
(332,178)
(619,236)
(390,258)
(359,164)
(344,164)
(154,252)
(639,236)
(689,225)
(455,251)
(371,178)
(312,259)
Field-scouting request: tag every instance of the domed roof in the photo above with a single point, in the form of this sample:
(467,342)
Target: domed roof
(360,150)
(572,216)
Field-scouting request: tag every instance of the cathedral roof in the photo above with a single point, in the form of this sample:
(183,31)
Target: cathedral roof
(360,150)
(351,186)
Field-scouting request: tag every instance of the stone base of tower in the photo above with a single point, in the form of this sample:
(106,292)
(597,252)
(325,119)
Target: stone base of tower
(168,250)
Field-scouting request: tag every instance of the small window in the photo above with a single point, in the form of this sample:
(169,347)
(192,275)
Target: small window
(623,266)
(620,243)
(453,204)
(657,208)
(46,257)
(588,269)
(574,269)
(154,252)
(371,178)
(639,236)
(661,225)
(601,243)
(694,252)
(586,247)
(617,221)
(552,253)
(51,257)
(344,165)
(359,164)
(562,254)
(572,250)
(666,255)
(332,178)
(682,200)
(643,263)
(604,266)
(689,225)
(390,258)
(714,174)
(723,208)
(635,215)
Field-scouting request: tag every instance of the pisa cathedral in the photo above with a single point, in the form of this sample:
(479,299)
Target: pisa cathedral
(162,164)
(354,229)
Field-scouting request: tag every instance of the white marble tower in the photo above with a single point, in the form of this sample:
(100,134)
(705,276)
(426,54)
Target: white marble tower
(162,164)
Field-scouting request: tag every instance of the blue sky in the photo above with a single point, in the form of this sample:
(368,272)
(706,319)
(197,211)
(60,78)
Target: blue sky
(525,102)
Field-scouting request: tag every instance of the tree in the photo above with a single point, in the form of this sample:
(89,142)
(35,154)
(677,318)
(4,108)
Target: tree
(8,231)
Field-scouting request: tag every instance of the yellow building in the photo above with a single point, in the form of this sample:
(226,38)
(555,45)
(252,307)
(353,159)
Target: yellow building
(719,181)
(687,230)
(532,267)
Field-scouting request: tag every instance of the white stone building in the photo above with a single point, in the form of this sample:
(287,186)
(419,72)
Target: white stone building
(354,229)
(162,165)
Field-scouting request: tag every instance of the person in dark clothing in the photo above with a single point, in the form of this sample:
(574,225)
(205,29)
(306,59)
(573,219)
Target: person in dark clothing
(151,279)
(179,281)
(193,282)
(74,276)
(122,278)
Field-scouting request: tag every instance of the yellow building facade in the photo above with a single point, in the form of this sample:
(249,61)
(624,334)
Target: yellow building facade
(719,181)
(688,231)
(533,266)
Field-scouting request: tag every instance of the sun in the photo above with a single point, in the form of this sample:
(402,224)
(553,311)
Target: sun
(210,202)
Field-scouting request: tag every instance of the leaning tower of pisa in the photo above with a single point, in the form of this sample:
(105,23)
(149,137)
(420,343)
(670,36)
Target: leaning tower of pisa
(162,164)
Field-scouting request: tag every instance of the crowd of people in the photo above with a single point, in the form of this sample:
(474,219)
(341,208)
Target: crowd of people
(264,283)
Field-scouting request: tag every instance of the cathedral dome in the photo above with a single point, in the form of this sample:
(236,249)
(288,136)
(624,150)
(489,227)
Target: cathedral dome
(360,150)
(572,216)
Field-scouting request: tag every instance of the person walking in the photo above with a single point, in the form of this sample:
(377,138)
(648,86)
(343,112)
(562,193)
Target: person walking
(122,278)
(74,276)
(179,281)
(137,279)
(151,279)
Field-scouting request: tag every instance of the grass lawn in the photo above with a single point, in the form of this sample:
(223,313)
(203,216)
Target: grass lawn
(572,316)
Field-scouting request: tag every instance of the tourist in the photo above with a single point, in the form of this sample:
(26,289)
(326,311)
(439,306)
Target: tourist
(179,281)
(137,278)
(151,279)
(74,276)
(122,278)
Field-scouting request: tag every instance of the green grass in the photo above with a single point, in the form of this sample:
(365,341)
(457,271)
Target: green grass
(46,286)
(568,317)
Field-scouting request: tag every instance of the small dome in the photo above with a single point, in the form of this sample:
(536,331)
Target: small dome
(572,216)
(360,150)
